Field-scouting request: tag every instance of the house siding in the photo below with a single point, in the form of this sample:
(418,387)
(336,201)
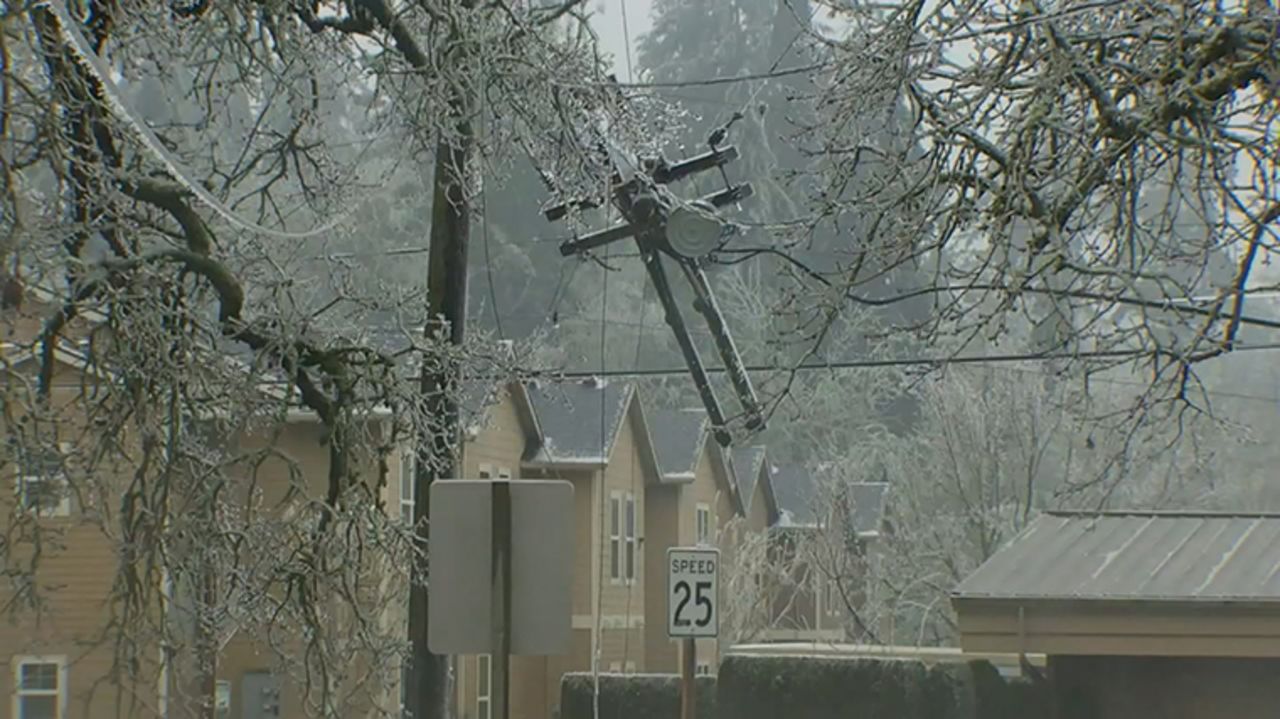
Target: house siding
(74,579)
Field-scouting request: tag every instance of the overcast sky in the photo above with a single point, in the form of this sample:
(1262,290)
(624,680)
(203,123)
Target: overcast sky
(607,21)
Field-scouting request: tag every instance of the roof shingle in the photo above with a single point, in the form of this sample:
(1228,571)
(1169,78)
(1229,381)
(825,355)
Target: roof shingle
(570,417)
(677,438)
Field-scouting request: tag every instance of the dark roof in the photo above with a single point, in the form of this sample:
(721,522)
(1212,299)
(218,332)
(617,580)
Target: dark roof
(746,471)
(570,417)
(1152,556)
(793,488)
(868,504)
(677,438)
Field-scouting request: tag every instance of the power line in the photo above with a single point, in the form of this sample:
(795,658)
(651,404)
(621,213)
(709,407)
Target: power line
(723,80)
(917,45)
(874,363)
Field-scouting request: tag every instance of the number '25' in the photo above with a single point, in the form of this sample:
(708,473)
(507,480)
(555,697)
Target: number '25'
(699,597)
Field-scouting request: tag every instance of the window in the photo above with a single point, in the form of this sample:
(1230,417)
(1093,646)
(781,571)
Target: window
(407,467)
(831,597)
(484,687)
(631,539)
(41,688)
(42,482)
(486,471)
(703,533)
(629,667)
(703,667)
(615,536)
(404,690)
(222,699)
(504,473)
(615,667)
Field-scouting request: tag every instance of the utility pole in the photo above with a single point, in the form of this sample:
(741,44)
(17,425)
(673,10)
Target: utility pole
(686,233)
(438,451)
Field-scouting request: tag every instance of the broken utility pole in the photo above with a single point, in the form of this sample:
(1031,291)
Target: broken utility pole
(689,233)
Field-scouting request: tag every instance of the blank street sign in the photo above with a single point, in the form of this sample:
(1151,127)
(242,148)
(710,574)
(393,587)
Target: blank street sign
(460,546)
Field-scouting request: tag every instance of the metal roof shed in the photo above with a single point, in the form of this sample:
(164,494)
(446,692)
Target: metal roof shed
(1129,583)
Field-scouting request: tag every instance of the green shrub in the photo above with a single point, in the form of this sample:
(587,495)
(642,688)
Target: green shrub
(755,687)
(633,696)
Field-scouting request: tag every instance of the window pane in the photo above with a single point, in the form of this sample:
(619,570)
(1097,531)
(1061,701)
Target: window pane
(406,477)
(631,517)
(40,676)
(613,517)
(406,512)
(38,707)
(482,676)
(631,559)
(613,557)
(42,494)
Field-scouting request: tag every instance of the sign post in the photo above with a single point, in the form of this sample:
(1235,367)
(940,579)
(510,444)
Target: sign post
(693,611)
(500,657)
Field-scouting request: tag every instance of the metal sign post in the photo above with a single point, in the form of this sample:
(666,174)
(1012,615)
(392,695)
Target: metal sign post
(500,658)
(693,610)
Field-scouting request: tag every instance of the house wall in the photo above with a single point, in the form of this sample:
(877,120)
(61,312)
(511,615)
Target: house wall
(1119,687)
(622,602)
(758,508)
(1118,628)
(661,531)
(303,466)
(64,613)
(499,442)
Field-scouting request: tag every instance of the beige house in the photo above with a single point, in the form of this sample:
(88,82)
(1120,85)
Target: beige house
(645,479)
(1140,613)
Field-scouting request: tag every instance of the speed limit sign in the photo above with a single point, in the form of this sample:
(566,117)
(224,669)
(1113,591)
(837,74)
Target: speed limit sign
(693,592)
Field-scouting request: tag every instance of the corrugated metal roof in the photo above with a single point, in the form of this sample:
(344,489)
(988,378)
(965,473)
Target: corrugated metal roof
(1145,556)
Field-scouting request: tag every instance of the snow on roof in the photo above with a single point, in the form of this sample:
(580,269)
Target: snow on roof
(570,415)
(677,439)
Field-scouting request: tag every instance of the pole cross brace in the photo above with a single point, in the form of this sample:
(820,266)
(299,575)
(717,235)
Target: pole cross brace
(646,206)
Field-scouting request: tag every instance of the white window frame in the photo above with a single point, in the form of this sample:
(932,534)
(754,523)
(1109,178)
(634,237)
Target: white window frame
(484,701)
(631,534)
(60,692)
(703,667)
(832,602)
(504,473)
(615,667)
(408,467)
(221,692)
(614,519)
(629,667)
(702,532)
(23,480)
(485,470)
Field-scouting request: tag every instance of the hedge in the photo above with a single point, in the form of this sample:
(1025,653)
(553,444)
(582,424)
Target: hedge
(770,687)
(760,687)
(753,687)
(633,696)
